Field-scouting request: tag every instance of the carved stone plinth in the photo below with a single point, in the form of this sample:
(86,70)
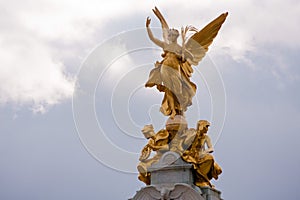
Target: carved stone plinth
(171,169)
(178,191)
(172,179)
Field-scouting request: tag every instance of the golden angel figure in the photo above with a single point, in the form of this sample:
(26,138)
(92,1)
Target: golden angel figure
(172,74)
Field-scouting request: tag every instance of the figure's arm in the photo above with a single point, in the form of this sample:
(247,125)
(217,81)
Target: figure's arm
(210,148)
(158,147)
(150,34)
(155,147)
(161,147)
(145,153)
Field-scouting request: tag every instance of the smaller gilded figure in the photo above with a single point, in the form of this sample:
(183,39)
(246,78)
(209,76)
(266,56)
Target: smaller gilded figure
(156,142)
(199,154)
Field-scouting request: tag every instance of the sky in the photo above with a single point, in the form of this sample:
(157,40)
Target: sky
(72,101)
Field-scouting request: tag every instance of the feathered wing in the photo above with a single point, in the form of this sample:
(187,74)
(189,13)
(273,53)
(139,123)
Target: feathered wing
(199,42)
(164,24)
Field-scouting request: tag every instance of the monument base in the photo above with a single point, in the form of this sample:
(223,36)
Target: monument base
(172,179)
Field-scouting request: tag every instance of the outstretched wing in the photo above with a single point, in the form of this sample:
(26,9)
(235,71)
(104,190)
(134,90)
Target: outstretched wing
(199,42)
(164,24)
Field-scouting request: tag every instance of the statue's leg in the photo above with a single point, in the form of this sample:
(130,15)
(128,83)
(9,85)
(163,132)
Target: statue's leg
(206,164)
(165,109)
(170,99)
(203,170)
(217,170)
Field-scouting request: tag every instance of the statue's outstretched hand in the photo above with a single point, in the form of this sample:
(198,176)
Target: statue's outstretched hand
(148,22)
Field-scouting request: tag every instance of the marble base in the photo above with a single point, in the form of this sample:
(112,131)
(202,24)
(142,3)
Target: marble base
(172,179)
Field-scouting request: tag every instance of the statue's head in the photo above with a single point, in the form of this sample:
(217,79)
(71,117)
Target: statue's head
(148,131)
(202,126)
(173,35)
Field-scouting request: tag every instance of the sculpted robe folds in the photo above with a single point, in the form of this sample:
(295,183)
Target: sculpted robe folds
(170,79)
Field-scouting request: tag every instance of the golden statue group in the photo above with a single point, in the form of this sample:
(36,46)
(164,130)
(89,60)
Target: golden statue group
(172,77)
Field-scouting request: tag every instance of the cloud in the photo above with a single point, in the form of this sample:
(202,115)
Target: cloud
(260,36)
(29,75)
(39,40)
(247,25)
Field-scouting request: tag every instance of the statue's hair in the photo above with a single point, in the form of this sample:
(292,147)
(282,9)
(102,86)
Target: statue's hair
(201,124)
(173,31)
(148,129)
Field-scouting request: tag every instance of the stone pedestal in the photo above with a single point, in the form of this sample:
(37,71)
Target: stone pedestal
(171,169)
(172,179)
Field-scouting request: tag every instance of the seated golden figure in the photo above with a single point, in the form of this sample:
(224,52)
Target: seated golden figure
(156,142)
(199,154)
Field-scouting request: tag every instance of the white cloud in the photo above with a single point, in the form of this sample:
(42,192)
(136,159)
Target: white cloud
(248,24)
(31,65)
(32,38)
(251,30)
(30,76)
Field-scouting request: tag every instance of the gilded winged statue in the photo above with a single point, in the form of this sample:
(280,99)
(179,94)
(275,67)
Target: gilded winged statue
(172,74)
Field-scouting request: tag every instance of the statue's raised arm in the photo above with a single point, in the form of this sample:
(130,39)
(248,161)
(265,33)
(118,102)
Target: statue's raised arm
(150,34)
(164,25)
